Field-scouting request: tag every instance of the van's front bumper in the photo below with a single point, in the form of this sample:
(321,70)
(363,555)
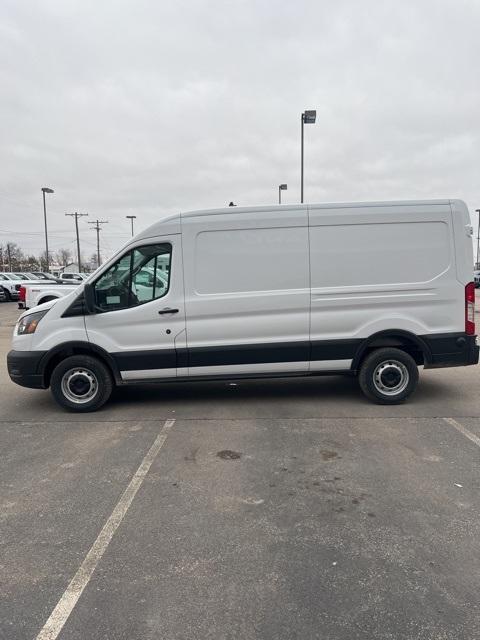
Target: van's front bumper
(23,368)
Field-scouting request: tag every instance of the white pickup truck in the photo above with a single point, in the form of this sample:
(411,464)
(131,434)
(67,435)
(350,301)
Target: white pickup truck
(31,295)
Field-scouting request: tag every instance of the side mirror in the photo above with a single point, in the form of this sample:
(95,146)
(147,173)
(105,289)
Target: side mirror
(89,296)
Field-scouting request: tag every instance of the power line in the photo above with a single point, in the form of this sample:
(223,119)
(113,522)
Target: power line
(77,216)
(97,228)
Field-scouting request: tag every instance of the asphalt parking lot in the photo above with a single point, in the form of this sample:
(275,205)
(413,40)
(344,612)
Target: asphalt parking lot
(273,509)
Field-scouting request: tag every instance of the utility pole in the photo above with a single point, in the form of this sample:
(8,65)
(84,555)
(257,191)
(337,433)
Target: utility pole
(77,216)
(478,236)
(132,218)
(9,257)
(97,228)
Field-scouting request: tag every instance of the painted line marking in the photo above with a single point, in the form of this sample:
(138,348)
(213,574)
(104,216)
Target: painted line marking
(70,597)
(459,427)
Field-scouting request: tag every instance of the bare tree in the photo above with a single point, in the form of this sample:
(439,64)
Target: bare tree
(64,257)
(43,261)
(32,263)
(93,260)
(12,257)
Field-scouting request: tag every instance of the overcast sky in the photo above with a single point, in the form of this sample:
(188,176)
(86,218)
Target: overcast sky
(154,107)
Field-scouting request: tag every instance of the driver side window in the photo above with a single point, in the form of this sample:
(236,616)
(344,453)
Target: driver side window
(139,276)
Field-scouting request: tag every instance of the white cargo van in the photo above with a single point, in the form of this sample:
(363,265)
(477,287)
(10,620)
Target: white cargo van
(374,290)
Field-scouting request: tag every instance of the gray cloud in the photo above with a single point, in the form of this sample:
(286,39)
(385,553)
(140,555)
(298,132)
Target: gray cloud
(150,108)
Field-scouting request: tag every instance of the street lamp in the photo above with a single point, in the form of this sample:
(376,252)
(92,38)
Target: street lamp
(281,187)
(131,218)
(308,117)
(44,191)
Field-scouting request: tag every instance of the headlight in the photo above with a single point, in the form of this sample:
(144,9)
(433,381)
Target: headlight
(28,323)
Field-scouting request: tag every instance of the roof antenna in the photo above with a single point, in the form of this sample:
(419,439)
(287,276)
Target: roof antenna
(232,204)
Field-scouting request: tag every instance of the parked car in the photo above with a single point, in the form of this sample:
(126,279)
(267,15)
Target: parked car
(10,285)
(476,278)
(264,291)
(72,277)
(41,275)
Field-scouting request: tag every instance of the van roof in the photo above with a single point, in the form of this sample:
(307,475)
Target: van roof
(320,205)
(173,221)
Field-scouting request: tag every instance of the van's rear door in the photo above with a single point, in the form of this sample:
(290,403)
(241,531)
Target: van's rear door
(463,241)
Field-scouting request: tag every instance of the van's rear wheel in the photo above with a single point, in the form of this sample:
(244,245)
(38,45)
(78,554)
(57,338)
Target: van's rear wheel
(81,383)
(388,376)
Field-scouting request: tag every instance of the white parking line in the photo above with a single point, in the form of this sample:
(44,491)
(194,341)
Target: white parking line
(69,599)
(459,427)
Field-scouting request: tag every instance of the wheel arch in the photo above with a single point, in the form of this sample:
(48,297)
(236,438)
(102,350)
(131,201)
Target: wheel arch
(398,338)
(74,348)
(47,298)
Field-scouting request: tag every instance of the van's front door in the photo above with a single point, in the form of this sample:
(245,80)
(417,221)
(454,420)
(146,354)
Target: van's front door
(140,317)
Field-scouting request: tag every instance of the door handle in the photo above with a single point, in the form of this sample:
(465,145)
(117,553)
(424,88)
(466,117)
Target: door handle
(167,310)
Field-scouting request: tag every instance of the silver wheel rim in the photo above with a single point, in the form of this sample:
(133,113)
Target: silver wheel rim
(391,377)
(79,385)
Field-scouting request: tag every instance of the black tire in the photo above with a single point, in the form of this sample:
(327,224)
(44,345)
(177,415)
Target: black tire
(8,296)
(81,383)
(388,376)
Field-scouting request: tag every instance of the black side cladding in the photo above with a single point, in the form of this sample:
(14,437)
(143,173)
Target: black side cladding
(451,350)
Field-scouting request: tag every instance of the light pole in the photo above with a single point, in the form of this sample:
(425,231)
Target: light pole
(132,218)
(281,187)
(308,117)
(478,237)
(44,191)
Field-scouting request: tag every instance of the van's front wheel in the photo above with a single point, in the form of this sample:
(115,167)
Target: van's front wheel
(81,383)
(388,376)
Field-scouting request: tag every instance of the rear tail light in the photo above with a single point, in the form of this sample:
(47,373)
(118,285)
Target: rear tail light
(470,309)
(23,291)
